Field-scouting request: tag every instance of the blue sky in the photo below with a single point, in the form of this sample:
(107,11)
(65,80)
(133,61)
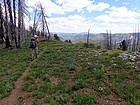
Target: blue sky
(119,16)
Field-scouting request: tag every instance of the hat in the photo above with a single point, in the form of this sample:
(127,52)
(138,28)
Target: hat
(32,37)
(35,36)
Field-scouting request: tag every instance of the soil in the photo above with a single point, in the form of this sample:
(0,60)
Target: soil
(13,98)
(111,99)
(54,80)
(70,80)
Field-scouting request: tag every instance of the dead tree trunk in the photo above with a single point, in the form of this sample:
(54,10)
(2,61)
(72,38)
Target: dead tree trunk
(44,20)
(11,18)
(19,23)
(14,26)
(88,37)
(34,25)
(7,40)
(1,24)
(138,39)
(43,23)
(49,36)
(134,40)
(22,30)
(107,40)
(110,41)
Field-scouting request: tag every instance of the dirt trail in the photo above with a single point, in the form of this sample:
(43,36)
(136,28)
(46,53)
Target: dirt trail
(12,99)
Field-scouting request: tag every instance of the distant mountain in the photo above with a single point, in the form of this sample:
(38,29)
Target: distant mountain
(74,36)
(82,36)
(78,37)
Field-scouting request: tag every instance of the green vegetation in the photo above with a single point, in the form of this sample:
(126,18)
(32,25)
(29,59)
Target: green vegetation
(70,74)
(12,64)
(84,99)
(79,84)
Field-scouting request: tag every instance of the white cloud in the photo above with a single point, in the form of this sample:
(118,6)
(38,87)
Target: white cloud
(72,5)
(107,18)
(119,15)
(118,19)
(49,6)
(99,7)
(122,12)
(126,3)
(61,6)
(72,23)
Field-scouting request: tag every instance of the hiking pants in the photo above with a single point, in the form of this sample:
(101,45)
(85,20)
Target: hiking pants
(37,50)
(34,54)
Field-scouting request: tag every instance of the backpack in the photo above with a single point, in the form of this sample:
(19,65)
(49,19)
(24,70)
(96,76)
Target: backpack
(33,43)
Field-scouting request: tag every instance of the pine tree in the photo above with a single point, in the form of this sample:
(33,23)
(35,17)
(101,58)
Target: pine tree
(124,45)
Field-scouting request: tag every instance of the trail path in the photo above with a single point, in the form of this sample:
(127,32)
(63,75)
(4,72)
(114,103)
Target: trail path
(12,99)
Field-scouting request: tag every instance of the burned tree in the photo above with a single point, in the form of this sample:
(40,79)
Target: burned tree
(11,19)
(22,11)
(138,40)
(7,40)
(88,37)
(40,22)
(19,23)
(108,40)
(1,24)
(44,22)
(14,23)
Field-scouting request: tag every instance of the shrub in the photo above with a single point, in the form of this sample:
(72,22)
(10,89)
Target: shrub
(98,73)
(38,94)
(115,53)
(46,77)
(71,66)
(124,45)
(15,75)
(56,71)
(27,86)
(85,45)
(5,87)
(56,37)
(84,99)
(91,45)
(79,84)
(61,98)
(98,47)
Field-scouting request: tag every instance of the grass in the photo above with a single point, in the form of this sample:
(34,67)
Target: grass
(73,74)
(13,63)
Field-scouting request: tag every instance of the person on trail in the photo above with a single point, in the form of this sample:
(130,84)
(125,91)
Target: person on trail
(37,41)
(33,47)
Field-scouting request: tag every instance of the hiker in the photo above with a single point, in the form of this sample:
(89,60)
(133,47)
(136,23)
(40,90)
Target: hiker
(33,47)
(37,41)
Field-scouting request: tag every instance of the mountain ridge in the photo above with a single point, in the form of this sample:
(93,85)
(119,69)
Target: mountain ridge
(96,36)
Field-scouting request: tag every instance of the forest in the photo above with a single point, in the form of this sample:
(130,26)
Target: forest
(13,31)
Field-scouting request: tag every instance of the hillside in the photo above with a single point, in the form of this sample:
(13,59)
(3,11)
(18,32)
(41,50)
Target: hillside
(67,74)
(95,37)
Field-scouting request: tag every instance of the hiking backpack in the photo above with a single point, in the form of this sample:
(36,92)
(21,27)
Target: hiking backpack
(33,43)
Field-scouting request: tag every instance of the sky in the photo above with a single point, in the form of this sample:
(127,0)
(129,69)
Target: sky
(75,16)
